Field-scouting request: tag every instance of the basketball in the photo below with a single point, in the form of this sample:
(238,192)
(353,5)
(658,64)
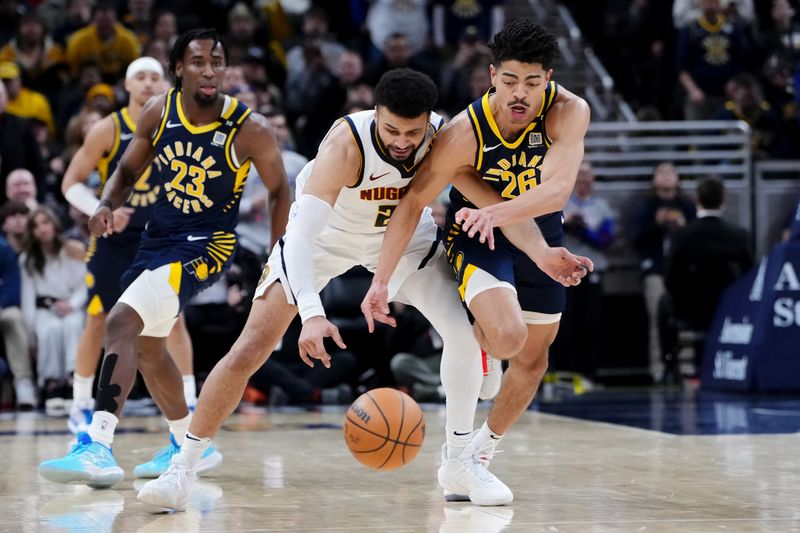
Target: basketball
(384,429)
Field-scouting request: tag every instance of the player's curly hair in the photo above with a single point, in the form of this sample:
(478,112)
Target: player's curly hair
(525,41)
(182,42)
(406,92)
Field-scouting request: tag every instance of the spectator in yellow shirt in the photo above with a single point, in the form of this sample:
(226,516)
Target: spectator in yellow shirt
(105,42)
(35,52)
(23,102)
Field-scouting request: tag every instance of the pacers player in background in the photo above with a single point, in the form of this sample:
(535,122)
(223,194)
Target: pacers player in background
(205,143)
(524,137)
(108,258)
(345,198)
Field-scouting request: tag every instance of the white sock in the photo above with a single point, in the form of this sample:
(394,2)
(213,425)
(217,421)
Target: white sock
(178,428)
(192,450)
(82,388)
(485,434)
(457,440)
(189,391)
(103,426)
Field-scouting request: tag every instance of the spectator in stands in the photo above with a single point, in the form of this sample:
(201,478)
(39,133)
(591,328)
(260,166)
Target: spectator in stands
(139,19)
(105,42)
(165,28)
(397,53)
(703,258)
(53,294)
(779,92)
(747,103)
(452,18)
(588,230)
(21,187)
(158,49)
(78,127)
(22,101)
(12,328)
(784,37)
(315,30)
(466,78)
(662,212)
(387,18)
(710,52)
(684,12)
(292,161)
(71,100)
(78,15)
(15,220)
(18,148)
(36,53)
(248,35)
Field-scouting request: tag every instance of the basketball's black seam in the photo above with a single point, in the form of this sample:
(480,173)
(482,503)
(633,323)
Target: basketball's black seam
(385,420)
(399,430)
(359,426)
(421,419)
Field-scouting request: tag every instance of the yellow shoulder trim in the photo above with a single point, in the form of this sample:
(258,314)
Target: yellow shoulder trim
(474,118)
(165,118)
(126,116)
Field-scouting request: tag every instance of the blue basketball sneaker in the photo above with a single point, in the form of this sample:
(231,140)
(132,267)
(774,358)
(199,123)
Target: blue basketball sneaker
(80,416)
(160,462)
(88,462)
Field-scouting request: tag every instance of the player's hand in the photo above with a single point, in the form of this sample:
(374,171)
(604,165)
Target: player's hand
(375,306)
(311,342)
(563,266)
(122,217)
(477,221)
(102,222)
(61,308)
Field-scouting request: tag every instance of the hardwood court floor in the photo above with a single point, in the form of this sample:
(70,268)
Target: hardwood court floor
(290,471)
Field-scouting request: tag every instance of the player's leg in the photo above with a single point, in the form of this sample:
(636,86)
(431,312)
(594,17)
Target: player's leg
(270,316)
(90,345)
(179,346)
(499,326)
(433,292)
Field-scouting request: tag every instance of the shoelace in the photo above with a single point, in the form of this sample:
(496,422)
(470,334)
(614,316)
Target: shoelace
(83,442)
(175,474)
(486,452)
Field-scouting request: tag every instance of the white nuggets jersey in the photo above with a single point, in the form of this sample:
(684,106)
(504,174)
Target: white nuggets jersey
(367,206)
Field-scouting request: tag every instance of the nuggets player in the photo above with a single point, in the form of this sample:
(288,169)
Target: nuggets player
(525,139)
(109,258)
(205,142)
(345,198)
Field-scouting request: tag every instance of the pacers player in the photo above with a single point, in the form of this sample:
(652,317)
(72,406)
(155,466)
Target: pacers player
(525,139)
(345,199)
(205,143)
(109,258)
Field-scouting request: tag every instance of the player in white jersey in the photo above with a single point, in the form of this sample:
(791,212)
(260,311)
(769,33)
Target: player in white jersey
(345,198)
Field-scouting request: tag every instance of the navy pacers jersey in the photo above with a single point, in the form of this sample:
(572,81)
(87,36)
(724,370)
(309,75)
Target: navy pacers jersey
(511,167)
(145,190)
(194,220)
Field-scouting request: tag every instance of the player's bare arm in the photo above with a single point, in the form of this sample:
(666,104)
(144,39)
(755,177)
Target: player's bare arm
(335,167)
(257,143)
(137,157)
(566,124)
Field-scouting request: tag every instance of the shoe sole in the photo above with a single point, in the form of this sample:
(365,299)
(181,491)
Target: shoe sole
(104,478)
(457,490)
(208,463)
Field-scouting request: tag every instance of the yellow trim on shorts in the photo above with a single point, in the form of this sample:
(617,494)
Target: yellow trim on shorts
(174,280)
(95,307)
(469,270)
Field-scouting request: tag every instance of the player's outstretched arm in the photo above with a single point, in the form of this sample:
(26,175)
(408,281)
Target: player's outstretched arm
(445,159)
(335,167)
(137,157)
(558,263)
(98,142)
(567,123)
(257,141)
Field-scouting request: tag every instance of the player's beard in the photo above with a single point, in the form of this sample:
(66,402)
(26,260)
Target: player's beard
(205,101)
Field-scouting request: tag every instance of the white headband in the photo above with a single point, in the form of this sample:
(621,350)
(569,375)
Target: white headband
(144,64)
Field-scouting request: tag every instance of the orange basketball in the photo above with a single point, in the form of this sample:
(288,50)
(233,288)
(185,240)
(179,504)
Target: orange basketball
(384,429)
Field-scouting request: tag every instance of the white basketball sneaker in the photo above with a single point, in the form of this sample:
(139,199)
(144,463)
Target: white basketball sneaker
(171,489)
(492,376)
(467,477)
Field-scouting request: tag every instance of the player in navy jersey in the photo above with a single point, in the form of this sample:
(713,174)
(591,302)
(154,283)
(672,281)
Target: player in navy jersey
(525,139)
(108,258)
(205,143)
